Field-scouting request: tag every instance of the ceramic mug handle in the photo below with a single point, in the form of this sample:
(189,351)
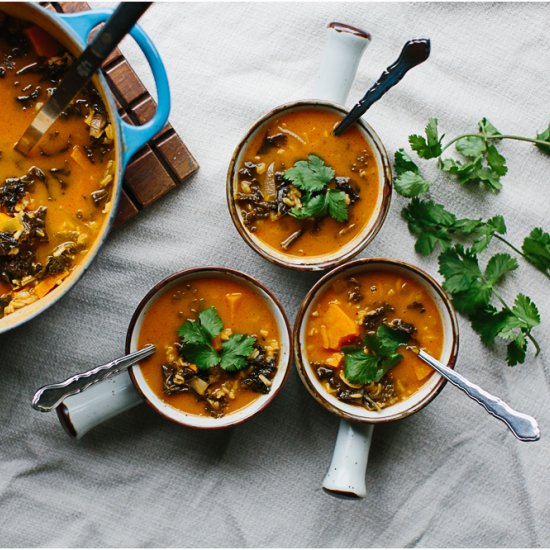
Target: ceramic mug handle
(344,47)
(343,50)
(80,413)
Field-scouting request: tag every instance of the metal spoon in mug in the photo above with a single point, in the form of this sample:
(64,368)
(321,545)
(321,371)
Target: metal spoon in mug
(413,53)
(523,426)
(48,397)
(82,69)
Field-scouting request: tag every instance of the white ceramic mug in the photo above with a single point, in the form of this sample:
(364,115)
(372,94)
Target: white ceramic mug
(81,412)
(346,474)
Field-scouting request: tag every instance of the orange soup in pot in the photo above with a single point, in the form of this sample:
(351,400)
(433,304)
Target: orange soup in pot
(52,203)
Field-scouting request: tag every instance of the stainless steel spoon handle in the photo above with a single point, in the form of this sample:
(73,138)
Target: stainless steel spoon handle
(523,426)
(48,397)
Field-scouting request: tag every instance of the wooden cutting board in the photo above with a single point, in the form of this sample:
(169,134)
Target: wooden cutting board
(164,162)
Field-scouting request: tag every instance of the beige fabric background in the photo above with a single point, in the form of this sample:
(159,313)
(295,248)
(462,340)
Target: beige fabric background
(450,475)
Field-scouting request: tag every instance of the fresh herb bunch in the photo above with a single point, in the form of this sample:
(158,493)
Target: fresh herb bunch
(312,178)
(481,162)
(196,338)
(362,366)
(471,288)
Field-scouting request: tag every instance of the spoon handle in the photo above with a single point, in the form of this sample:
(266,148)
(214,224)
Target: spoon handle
(48,397)
(523,426)
(104,42)
(413,53)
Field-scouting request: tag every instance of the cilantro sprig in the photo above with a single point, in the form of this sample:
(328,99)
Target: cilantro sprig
(312,178)
(472,289)
(481,162)
(196,338)
(371,362)
(461,240)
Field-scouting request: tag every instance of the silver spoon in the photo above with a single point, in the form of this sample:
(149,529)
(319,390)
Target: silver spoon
(523,426)
(48,397)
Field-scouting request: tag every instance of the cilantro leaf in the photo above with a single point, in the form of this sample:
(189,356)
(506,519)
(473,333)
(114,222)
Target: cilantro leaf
(389,339)
(485,127)
(484,164)
(363,368)
(460,268)
(485,231)
(197,335)
(517,350)
(496,161)
(204,356)
(337,206)
(236,351)
(544,136)
(464,280)
(191,333)
(411,184)
(526,311)
(403,163)
(310,175)
(312,207)
(488,322)
(536,248)
(332,201)
(210,321)
(471,146)
(498,266)
(430,223)
(360,368)
(429,147)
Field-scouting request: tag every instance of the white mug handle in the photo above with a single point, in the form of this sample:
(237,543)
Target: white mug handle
(81,412)
(344,47)
(343,50)
(346,475)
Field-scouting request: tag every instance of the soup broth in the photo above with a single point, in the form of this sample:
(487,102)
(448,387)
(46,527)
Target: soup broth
(352,308)
(267,199)
(171,374)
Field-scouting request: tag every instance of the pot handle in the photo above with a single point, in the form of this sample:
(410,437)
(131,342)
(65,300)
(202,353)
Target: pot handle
(81,412)
(346,475)
(344,47)
(133,137)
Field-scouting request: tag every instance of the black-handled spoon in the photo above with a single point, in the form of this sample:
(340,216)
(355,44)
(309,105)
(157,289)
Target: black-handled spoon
(82,69)
(413,53)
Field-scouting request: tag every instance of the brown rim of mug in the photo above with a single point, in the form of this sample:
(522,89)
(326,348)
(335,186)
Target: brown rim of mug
(386,190)
(344,27)
(312,294)
(208,270)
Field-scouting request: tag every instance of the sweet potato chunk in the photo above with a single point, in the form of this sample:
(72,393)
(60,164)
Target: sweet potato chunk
(421,369)
(232,300)
(341,328)
(335,360)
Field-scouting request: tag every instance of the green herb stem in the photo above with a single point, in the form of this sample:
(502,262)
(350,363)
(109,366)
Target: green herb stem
(518,251)
(501,136)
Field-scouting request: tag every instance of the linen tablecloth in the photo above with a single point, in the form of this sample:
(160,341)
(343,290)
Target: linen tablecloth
(449,475)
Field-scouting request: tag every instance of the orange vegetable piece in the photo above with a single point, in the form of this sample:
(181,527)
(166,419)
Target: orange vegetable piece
(341,328)
(421,369)
(43,44)
(231,300)
(47,284)
(324,336)
(335,360)
(79,157)
(217,343)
